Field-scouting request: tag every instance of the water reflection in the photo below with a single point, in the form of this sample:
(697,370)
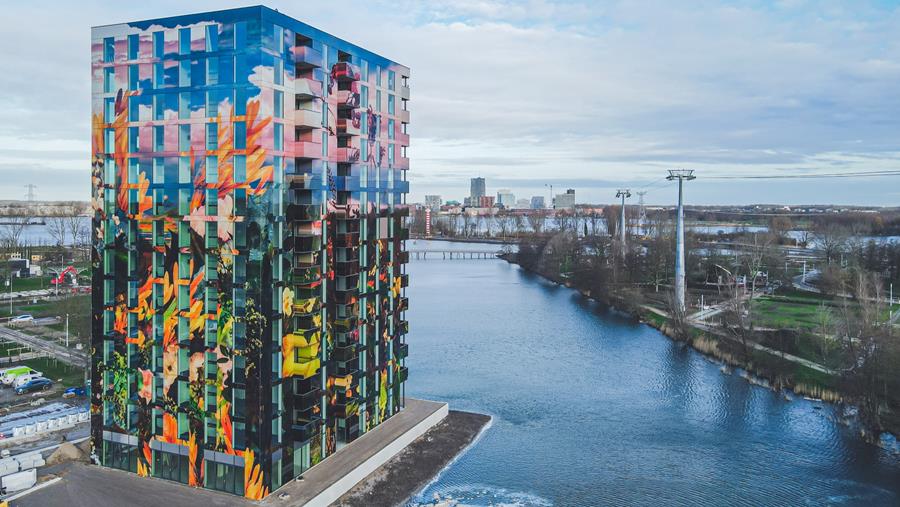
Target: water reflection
(592,408)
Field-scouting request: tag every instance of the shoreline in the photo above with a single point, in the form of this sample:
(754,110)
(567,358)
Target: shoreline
(420,464)
(722,350)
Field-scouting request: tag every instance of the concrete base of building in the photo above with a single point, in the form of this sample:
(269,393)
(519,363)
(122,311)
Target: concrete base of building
(85,485)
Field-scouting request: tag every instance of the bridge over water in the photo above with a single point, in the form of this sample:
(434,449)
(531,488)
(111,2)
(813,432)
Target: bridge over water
(453,254)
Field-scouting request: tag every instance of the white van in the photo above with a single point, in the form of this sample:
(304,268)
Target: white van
(23,379)
(11,374)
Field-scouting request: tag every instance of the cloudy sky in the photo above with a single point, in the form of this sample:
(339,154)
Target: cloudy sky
(589,95)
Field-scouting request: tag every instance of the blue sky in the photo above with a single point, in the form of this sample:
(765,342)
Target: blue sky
(597,95)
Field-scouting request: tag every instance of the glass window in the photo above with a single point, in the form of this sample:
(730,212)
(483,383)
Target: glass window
(212,105)
(184,105)
(279,71)
(390,104)
(133,45)
(378,75)
(240,135)
(212,37)
(279,104)
(109,79)
(240,168)
(109,109)
(159,138)
(159,170)
(212,136)
(184,137)
(159,44)
(279,39)
(133,77)
(184,41)
(279,137)
(159,76)
(184,170)
(364,96)
(391,80)
(159,107)
(109,49)
(212,169)
(212,70)
(364,124)
(378,101)
(133,140)
(184,73)
(390,129)
(364,70)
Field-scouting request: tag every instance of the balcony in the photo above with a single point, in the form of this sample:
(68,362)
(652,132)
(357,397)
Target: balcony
(307,57)
(346,268)
(403,257)
(348,155)
(401,138)
(401,163)
(404,92)
(305,429)
(306,275)
(307,243)
(307,89)
(345,71)
(402,375)
(347,99)
(307,150)
(401,350)
(403,115)
(308,118)
(348,126)
(307,306)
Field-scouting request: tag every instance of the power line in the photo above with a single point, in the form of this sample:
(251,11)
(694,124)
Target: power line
(857,174)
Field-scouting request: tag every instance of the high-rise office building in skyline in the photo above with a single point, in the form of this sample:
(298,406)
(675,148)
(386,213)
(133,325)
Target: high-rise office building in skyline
(249,182)
(477,190)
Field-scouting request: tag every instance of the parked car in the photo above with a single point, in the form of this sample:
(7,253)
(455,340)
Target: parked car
(21,379)
(74,391)
(19,319)
(13,373)
(39,383)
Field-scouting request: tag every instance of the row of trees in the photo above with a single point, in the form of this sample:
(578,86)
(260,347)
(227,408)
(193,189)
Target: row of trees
(65,223)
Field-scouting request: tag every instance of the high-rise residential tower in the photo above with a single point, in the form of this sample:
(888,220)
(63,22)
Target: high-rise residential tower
(249,182)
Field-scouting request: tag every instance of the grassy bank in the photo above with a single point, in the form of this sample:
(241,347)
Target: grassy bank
(778,371)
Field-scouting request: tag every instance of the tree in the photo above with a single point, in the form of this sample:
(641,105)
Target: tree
(16,221)
(831,238)
(536,221)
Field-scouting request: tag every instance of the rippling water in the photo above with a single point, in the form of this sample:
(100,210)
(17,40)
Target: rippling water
(592,408)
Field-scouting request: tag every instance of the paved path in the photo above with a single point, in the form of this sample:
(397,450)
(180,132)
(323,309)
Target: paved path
(70,356)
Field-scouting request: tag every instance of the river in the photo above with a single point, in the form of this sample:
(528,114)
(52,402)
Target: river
(593,408)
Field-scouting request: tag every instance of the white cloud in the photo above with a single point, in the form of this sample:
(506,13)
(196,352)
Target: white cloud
(560,90)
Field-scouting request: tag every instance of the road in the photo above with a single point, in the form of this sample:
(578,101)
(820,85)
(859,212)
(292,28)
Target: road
(70,356)
(805,286)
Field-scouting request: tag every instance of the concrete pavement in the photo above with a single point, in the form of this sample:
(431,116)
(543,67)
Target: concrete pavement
(84,485)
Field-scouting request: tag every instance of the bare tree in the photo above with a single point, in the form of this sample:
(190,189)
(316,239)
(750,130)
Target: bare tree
(15,223)
(58,226)
(832,239)
(76,223)
(536,221)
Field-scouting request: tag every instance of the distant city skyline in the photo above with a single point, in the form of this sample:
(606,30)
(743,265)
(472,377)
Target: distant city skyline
(769,88)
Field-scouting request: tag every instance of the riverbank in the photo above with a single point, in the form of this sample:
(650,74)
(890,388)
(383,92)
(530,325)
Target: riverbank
(766,367)
(410,471)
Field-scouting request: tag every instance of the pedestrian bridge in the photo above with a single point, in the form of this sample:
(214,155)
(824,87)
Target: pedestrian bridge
(425,255)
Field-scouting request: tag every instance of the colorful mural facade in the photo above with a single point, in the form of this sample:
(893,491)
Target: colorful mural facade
(249,181)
